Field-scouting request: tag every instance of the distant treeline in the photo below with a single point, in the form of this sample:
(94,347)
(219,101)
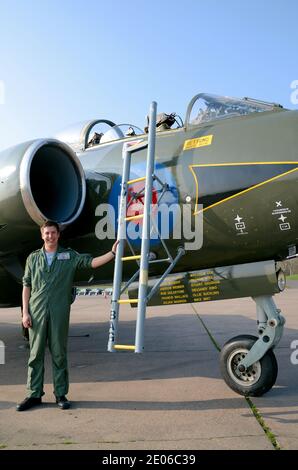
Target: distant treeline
(291,266)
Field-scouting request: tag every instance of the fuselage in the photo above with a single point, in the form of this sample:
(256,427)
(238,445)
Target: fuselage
(243,183)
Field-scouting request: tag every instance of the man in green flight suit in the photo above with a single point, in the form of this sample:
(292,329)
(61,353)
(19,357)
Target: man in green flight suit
(47,285)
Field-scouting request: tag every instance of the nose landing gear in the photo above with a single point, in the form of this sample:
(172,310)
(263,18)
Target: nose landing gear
(248,364)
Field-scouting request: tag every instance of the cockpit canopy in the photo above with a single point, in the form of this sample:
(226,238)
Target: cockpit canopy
(86,134)
(204,108)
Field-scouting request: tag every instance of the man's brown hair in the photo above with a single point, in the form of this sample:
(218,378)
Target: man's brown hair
(50,223)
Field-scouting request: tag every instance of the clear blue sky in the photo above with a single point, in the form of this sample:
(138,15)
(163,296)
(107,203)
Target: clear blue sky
(63,61)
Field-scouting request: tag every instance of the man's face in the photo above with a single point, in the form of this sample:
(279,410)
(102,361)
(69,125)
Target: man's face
(50,236)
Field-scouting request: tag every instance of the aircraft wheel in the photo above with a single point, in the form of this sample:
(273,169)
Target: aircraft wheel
(258,378)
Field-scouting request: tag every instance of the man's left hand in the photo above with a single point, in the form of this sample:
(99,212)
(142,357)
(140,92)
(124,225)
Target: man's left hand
(114,247)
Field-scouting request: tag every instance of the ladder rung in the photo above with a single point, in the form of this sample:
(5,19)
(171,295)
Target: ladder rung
(128,301)
(134,217)
(130,258)
(124,347)
(136,180)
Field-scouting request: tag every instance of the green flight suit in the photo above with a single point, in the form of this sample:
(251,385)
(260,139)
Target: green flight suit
(49,307)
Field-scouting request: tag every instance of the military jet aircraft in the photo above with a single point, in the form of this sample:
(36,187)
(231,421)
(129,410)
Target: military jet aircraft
(232,163)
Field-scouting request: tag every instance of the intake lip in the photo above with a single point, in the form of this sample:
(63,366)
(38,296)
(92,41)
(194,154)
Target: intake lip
(52,182)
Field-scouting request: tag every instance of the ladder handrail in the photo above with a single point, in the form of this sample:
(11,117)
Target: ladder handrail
(121,234)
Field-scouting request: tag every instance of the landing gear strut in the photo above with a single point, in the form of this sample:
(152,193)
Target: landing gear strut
(248,364)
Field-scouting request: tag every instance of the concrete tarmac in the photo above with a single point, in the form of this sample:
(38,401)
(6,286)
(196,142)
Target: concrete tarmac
(170,397)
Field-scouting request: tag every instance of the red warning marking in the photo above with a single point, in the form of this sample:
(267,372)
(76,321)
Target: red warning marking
(136,199)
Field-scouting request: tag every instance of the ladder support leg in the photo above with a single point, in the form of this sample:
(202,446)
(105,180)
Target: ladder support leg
(180,253)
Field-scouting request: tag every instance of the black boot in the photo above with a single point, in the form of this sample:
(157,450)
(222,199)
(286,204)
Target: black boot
(29,402)
(62,402)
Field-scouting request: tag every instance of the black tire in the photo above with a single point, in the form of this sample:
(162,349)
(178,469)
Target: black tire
(260,376)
